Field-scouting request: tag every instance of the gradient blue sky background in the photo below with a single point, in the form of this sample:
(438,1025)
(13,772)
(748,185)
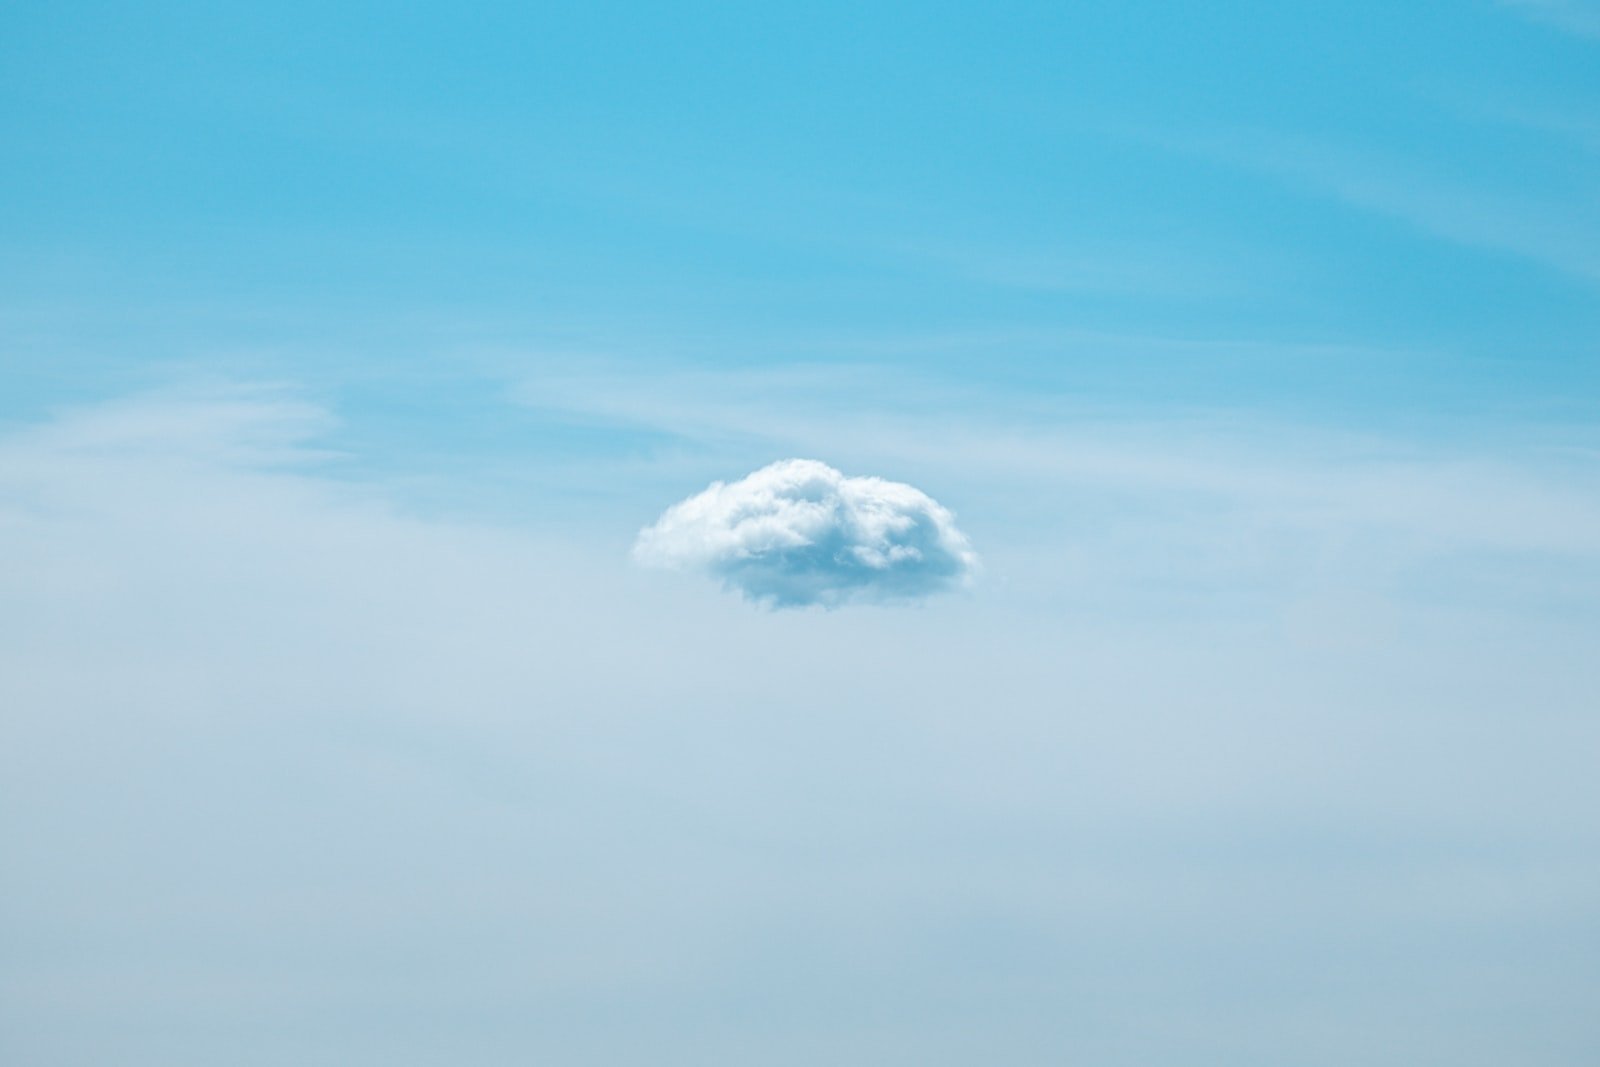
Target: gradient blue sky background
(344,353)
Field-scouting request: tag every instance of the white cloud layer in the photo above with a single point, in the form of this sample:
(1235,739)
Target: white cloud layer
(798,532)
(430,760)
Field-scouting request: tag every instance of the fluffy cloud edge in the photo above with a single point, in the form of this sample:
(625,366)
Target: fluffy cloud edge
(798,533)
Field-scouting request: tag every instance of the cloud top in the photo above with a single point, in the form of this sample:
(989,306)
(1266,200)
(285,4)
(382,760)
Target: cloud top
(798,532)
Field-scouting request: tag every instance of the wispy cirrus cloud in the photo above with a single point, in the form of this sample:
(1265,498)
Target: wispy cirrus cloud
(1205,499)
(1555,230)
(1573,16)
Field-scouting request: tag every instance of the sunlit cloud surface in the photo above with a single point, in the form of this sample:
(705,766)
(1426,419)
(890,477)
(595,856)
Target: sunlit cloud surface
(798,532)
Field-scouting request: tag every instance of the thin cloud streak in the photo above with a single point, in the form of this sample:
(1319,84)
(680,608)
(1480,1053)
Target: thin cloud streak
(1563,236)
(1573,16)
(1534,493)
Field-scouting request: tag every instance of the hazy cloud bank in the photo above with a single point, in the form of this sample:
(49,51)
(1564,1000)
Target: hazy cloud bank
(491,731)
(798,532)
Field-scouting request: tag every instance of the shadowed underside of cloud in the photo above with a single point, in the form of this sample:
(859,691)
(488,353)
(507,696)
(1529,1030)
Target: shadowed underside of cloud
(798,532)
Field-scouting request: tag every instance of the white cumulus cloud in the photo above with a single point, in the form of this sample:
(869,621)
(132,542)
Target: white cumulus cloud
(798,532)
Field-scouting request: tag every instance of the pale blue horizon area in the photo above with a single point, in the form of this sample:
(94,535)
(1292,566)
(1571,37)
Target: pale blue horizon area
(344,355)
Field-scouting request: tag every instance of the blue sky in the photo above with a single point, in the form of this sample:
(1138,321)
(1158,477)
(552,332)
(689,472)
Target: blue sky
(729,186)
(344,354)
